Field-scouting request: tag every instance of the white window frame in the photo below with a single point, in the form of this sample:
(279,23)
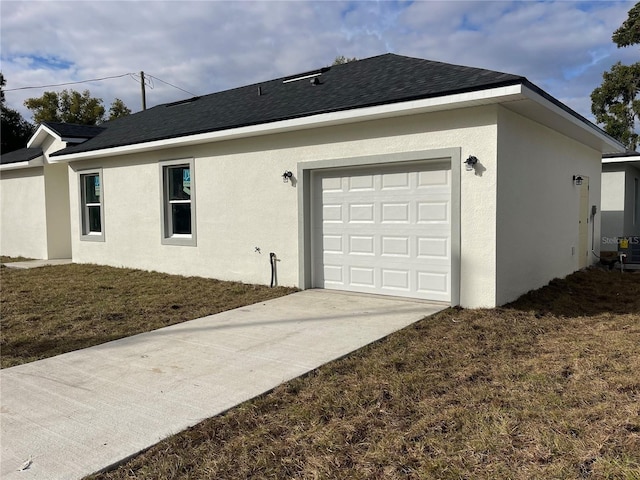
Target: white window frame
(167,235)
(85,233)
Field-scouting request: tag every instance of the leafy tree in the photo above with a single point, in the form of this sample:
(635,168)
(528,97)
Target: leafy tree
(15,130)
(616,103)
(629,33)
(118,109)
(342,59)
(70,106)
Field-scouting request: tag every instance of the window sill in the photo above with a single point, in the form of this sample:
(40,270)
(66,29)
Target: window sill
(92,237)
(180,239)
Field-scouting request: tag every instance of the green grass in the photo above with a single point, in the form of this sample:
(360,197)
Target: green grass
(545,388)
(47,311)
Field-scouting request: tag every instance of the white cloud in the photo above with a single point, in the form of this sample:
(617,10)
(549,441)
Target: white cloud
(207,46)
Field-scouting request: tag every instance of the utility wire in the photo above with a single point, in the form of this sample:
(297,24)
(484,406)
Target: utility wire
(68,83)
(132,75)
(171,85)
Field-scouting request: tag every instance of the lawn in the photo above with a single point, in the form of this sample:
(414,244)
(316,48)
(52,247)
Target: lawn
(52,310)
(545,388)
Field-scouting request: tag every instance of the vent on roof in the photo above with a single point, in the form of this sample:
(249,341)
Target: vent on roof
(182,102)
(302,76)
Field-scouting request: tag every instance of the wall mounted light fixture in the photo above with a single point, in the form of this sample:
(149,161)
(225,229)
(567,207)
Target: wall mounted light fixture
(286,176)
(577,180)
(470,163)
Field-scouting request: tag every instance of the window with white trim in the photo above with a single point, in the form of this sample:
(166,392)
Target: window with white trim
(91,209)
(178,226)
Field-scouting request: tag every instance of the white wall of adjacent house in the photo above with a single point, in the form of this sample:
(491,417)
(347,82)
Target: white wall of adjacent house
(538,206)
(244,210)
(613,205)
(632,201)
(23,222)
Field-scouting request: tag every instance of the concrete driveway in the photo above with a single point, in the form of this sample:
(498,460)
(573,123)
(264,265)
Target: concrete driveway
(80,412)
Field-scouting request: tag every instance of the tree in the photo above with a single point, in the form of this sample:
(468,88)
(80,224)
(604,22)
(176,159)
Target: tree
(70,106)
(616,103)
(15,130)
(342,59)
(629,33)
(118,109)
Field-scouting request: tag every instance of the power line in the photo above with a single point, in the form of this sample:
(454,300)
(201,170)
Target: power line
(67,83)
(171,85)
(148,78)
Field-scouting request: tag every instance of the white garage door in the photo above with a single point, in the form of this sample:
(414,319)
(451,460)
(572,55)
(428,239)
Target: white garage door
(384,230)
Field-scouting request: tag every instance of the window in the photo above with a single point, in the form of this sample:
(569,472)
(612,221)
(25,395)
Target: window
(178,207)
(91,211)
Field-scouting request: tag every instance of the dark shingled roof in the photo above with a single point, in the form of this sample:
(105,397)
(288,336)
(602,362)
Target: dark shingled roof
(71,130)
(373,81)
(22,155)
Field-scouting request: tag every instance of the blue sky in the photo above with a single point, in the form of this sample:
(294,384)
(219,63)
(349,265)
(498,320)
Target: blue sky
(207,46)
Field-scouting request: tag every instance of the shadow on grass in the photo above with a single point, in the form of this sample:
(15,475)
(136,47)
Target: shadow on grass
(584,293)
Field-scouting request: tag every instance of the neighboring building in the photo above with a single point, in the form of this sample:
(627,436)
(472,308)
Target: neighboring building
(34,194)
(620,198)
(379,198)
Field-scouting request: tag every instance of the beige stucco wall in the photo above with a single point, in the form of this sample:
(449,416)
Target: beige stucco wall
(56,187)
(242,203)
(23,224)
(538,204)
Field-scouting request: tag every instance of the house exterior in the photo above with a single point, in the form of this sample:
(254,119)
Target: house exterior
(389,175)
(620,198)
(34,194)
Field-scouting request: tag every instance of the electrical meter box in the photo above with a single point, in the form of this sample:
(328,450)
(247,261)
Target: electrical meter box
(630,246)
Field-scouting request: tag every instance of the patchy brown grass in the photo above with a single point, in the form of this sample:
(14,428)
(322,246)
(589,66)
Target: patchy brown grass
(5,259)
(47,311)
(547,387)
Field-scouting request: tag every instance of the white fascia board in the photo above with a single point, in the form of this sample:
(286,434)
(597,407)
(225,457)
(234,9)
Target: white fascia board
(461,100)
(34,162)
(609,144)
(41,133)
(633,158)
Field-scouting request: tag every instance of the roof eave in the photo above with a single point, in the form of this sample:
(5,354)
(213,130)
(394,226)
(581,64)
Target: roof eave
(518,97)
(40,134)
(411,107)
(34,162)
(550,112)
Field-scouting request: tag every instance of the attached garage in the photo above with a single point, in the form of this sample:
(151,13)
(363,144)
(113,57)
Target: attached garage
(390,227)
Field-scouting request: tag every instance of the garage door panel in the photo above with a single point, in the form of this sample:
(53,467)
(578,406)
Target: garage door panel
(385,230)
(395,181)
(361,213)
(434,248)
(395,246)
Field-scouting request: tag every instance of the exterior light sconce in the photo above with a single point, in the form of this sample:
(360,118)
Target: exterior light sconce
(577,180)
(286,176)
(470,163)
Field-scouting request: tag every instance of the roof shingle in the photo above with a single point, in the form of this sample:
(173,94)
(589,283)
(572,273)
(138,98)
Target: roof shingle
(373,81)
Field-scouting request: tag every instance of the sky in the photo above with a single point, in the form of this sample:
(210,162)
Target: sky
(190,48)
